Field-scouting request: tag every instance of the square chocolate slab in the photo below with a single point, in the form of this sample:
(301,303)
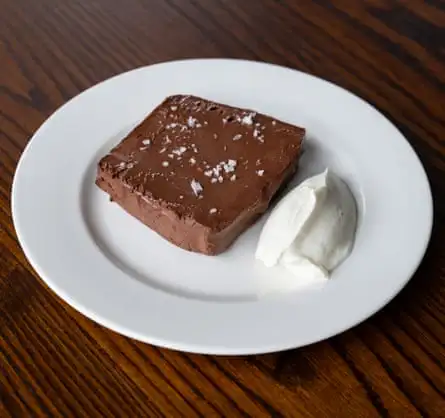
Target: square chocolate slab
(198,172)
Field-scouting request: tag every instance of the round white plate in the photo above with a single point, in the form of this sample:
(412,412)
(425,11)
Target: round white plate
(121,274)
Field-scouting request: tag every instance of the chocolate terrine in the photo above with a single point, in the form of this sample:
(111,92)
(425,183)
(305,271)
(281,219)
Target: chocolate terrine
(199,173)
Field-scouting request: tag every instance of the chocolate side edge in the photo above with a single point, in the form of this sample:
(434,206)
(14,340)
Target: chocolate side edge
(183,232)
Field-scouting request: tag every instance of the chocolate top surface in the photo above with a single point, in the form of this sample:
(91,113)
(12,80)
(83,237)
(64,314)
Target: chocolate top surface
(204,160)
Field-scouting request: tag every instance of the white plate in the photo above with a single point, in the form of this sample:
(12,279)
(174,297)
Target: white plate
(122,275)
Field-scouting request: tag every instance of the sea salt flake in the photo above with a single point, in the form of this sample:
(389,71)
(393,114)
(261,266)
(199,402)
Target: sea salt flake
(173,108)
(208,173)
(274,122)
(196,187)
(248,119)
(213,210)
(162,150)
(165,163)
(220,179)
(213,180)
(191,121)
(260,172)
(179,151)
(146,142)
(229,167)
(233,178)
(192,161)
(237,137)
(170,156)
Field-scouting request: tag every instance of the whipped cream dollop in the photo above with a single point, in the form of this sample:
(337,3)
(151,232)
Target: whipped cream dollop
(311,230)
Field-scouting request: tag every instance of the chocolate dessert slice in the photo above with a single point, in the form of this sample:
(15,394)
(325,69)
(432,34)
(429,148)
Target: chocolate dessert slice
(199,173)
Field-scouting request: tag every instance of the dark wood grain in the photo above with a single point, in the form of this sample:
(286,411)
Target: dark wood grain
(55,362)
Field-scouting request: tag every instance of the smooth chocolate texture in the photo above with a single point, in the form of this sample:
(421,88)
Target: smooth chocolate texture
(165,172)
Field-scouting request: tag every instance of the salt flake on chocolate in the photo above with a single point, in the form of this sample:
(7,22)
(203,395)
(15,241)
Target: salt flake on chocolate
(248,119)
(229,167)
(191,122)
(196,187)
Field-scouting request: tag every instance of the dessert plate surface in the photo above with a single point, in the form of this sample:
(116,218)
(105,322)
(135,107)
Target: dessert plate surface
(122,275)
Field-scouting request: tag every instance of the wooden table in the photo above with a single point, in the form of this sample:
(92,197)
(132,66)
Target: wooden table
(55,362)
